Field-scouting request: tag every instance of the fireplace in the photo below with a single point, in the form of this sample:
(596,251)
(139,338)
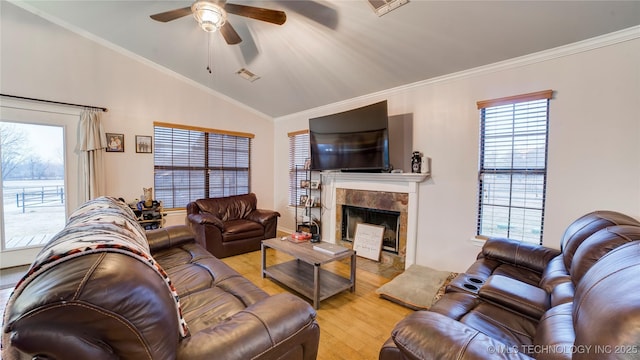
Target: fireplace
(388,208)
(388,192)
(354,215)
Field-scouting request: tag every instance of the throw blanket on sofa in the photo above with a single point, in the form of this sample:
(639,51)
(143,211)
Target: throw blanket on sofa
(101,225)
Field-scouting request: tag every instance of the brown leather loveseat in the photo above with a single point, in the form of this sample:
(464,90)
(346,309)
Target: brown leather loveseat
(520,301)
(231,225)
(102,288)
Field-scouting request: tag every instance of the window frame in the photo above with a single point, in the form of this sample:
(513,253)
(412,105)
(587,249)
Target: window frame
(209,154)
(516,175)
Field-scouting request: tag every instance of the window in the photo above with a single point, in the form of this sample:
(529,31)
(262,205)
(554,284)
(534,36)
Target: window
(298,154)
(513,166)
(194,163)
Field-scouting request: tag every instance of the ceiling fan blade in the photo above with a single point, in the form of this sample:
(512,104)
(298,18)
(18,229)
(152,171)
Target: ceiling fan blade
(272,16)
(229,34)
(313,10)
(172,14)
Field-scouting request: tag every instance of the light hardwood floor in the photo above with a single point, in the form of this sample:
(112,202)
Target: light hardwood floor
(353,326)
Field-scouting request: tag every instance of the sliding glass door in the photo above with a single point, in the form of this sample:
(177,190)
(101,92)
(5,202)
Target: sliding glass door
(35,193)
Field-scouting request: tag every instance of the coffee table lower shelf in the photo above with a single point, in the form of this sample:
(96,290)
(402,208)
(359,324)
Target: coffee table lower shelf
(298,275)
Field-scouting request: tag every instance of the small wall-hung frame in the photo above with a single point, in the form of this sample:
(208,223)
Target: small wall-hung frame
(115,142)
(144,144)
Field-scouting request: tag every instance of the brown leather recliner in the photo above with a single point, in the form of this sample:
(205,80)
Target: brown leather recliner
(539,265)
(509,316)
(602,322)
(231,225)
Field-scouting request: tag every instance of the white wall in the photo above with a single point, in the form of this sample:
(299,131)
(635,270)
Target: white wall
(594,137)
(43,60)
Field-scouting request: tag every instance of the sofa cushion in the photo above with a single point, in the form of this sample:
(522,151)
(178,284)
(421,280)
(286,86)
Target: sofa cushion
(554,274)
(504,325)
(229,208)
(492,320)
(455,304)
(210,307)
(587,225)
(242,229)
(562,293)
(514,259)
(599,244)
(428,335)
(193,269)
(607,306)
(556,329)
(210,291)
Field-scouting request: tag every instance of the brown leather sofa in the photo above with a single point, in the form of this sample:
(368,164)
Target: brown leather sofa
(109,299)
(231,225)
(519,301)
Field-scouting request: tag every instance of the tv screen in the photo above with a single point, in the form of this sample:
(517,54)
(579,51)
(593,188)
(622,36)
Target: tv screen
(354,140)
(350,151)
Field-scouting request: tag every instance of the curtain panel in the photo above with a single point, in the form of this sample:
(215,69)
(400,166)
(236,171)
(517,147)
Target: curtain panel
(91,144)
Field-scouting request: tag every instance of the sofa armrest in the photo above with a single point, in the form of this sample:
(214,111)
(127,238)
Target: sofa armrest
(206,219)
(429,335)
(262,216)
(267,326)
(169,236)
(519,253)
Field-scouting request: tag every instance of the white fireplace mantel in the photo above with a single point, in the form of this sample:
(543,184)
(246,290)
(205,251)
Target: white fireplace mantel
(376,177)
(391,182)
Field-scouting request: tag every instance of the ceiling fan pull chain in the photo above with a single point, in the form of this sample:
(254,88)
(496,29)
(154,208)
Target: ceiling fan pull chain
(209,52)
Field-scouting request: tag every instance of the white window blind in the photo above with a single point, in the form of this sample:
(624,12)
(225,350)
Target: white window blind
(513,166)
(194,163)
(298,154)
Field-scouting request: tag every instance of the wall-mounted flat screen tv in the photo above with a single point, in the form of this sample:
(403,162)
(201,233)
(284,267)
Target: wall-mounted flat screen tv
(353,140)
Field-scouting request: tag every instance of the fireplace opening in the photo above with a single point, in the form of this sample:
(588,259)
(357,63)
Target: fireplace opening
(354,215)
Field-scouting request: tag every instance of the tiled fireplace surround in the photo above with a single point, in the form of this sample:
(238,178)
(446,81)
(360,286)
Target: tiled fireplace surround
(395,192)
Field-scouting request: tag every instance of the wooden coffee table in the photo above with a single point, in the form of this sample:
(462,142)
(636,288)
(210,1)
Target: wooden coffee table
(303,274)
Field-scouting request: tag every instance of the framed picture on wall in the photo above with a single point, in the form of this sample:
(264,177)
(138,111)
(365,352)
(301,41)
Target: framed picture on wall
(115,142)
(144,144)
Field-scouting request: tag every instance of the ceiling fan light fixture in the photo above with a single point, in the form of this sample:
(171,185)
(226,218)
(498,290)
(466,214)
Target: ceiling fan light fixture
(209,16)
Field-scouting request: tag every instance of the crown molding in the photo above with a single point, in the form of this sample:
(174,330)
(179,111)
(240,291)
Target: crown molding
(598,42)
(534,58)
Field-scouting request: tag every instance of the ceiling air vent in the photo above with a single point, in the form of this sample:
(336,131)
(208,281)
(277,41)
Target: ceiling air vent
(382,7)
(247,75)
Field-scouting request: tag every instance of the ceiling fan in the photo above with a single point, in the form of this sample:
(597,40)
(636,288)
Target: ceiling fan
(212,15)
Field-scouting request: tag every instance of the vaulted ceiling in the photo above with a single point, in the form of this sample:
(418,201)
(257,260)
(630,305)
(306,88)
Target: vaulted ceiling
(331,51)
